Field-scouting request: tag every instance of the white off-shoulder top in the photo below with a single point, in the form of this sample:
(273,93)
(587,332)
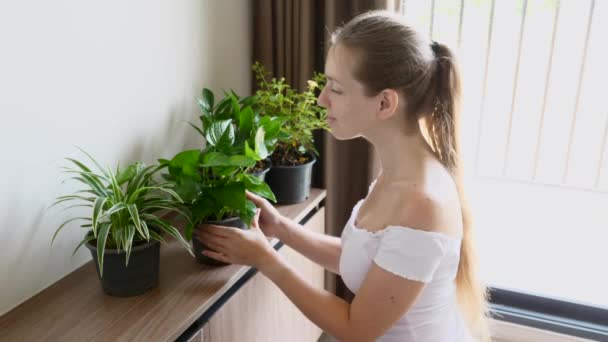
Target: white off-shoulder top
(424,256)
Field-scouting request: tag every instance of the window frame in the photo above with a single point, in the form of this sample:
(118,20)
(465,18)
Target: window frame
(564,317)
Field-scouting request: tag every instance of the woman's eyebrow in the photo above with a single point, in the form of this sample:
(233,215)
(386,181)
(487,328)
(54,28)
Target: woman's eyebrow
(332,78)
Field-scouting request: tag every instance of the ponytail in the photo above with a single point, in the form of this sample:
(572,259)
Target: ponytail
(443,130)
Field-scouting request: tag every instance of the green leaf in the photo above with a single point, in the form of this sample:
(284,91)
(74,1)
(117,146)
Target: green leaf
(248,213)
(144,227)
(101,245)
(134,196)
(76,206)
(224,171)
(230,111)
(169,229)
(231,196)
(71,198)
(223,108)
(80,165)
(127,174)
(94,183)
(206,121)
(97,209)
(248,101)
(188,231)
(157,237)
(208,97)
(117,194)
(213,159)
(143,176)
(85,240)
(94,161)
(64,224)
(272,126)
(130,233)
(260,147)
(136,221)
(186,162)
(251,153)
(217,131)
(258,187)
(243,161)
(246,122)
(197,129)
(201,209)
(235,103)
(114,209)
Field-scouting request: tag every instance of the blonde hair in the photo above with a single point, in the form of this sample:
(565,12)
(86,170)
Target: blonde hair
(392,55)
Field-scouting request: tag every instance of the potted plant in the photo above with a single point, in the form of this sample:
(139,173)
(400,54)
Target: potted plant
(124,226)
(212,182)
(295,152)
(255,136)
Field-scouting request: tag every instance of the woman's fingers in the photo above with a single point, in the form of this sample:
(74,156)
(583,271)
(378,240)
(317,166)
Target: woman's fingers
(255,223)
(258,200)
(217,256)
(221,231)
(212,242)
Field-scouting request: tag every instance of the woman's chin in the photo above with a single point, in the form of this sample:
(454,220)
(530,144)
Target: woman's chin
(342,135)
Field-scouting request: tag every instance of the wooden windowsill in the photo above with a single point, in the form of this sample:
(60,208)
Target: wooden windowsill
(76,309)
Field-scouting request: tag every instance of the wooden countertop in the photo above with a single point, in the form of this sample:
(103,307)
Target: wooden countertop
(76,309)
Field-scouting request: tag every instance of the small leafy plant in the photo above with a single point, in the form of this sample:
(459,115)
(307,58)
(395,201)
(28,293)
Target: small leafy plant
(125,206)
(298,111)
(212,182)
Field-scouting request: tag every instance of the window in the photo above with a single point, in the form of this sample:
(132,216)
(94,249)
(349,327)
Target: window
(534,136)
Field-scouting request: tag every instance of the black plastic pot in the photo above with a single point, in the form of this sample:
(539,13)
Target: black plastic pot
(138,277)
(262,174)
(291,184)
(199,247)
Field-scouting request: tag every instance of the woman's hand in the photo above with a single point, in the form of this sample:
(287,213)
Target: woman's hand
(271,221)
(238,246)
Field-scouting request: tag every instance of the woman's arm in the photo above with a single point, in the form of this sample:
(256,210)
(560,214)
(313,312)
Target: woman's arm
(322,249)
(380,301)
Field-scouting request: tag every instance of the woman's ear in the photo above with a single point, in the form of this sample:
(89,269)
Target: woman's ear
(389,102)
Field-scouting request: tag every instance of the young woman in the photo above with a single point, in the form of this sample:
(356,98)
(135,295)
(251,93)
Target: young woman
(406,251)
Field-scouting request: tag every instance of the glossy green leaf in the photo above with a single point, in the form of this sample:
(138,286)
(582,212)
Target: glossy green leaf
(217,130)
(208,97)
(260,147)
(257,186)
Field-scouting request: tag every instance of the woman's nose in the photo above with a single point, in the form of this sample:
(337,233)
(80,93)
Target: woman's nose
(322,99)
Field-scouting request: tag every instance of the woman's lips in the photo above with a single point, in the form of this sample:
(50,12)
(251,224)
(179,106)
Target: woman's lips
(331,119)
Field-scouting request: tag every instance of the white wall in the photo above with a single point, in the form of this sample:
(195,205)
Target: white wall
(117,78)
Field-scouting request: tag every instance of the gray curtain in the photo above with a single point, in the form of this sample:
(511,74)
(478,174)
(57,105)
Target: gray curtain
(291,38)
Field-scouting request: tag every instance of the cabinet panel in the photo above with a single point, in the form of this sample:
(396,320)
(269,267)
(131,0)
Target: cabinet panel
(259,311)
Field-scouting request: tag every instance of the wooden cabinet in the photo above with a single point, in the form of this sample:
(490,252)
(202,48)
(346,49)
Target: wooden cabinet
(224,301)
(259,311)
(198,337)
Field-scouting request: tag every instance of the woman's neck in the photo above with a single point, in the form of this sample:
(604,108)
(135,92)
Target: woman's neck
(403,156)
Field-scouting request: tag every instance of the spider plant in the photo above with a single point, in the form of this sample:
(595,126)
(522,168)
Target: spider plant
(126,207)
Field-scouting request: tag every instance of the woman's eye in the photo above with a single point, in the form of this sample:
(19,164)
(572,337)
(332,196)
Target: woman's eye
(335,91)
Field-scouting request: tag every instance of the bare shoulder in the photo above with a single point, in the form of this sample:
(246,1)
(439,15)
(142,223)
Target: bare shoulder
(430,209)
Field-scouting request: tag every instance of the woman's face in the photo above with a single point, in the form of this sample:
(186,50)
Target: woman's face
(350,113)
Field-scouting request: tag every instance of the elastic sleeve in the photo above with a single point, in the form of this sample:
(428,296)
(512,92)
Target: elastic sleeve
(410,253)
